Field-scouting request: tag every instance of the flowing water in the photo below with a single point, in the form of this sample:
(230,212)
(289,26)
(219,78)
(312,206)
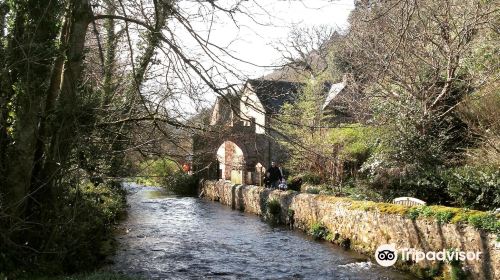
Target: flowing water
(170,237)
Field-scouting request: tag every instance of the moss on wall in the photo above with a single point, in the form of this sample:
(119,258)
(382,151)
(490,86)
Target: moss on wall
(364,225)
(481,220)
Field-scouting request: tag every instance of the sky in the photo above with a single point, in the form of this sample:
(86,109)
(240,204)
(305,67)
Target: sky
(254,38)
(252,35)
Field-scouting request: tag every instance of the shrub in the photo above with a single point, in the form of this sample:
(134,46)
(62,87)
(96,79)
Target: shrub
(152,172)
(273,207)
(474,187)
(465,186)
(362,192)
(77,227)
(290,214)
(181,183)
(428,212)
(456,270)
(356,142)
(318,231)
(480,112)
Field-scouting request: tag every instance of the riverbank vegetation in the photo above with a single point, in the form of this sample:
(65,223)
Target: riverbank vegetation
(76,233)
(152,172)
(81,103)
(418,111)
(272,211)
(168,174)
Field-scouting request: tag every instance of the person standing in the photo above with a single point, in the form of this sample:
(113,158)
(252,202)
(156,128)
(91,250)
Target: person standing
(274,175)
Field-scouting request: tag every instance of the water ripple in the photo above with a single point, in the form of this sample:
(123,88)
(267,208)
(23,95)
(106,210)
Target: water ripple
(169,237)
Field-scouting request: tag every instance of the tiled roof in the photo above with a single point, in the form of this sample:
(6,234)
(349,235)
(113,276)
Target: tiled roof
(274,94)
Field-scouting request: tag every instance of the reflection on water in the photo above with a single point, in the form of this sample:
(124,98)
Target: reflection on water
(169,237)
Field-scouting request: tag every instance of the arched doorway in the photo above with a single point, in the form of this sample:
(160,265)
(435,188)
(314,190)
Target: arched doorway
(231,162)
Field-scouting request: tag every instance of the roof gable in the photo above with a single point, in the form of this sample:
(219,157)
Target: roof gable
(274,94)
(334,91)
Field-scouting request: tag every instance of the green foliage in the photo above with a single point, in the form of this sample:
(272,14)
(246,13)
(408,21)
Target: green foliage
(181,183)
(413,213)
(330,237)
(166,173)
(342,151)
(78,229)
(362,192)
(433,271)
(443,217)
(484,221)
(441,214)
(465,186)
(318,231)
(426,211)
(153,171)
(474,187)
(430,212)
(272,211)
(355,142)
(273,207)
(294,183)
(429,128)
(323,153)
(480,220)
(404,140)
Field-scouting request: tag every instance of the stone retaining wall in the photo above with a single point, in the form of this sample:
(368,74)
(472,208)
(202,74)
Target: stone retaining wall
(365,230)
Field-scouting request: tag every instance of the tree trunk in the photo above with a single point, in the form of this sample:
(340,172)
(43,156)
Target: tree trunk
(64,135)
(29,59)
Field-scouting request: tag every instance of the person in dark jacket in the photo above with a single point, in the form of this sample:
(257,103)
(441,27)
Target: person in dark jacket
(274,175)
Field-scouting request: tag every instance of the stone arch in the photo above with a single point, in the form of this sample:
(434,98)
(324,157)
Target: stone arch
(231,159)
(256,148)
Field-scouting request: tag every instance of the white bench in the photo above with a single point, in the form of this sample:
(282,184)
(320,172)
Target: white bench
(408,201)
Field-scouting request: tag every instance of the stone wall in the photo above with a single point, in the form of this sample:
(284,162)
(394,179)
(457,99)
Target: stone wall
(365,230)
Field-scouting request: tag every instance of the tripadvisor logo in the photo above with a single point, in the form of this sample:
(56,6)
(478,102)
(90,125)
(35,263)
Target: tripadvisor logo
(387,255)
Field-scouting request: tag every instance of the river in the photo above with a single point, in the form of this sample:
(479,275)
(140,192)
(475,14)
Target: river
(169,237)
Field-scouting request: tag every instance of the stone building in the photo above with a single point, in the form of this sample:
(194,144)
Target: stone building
(242,144)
